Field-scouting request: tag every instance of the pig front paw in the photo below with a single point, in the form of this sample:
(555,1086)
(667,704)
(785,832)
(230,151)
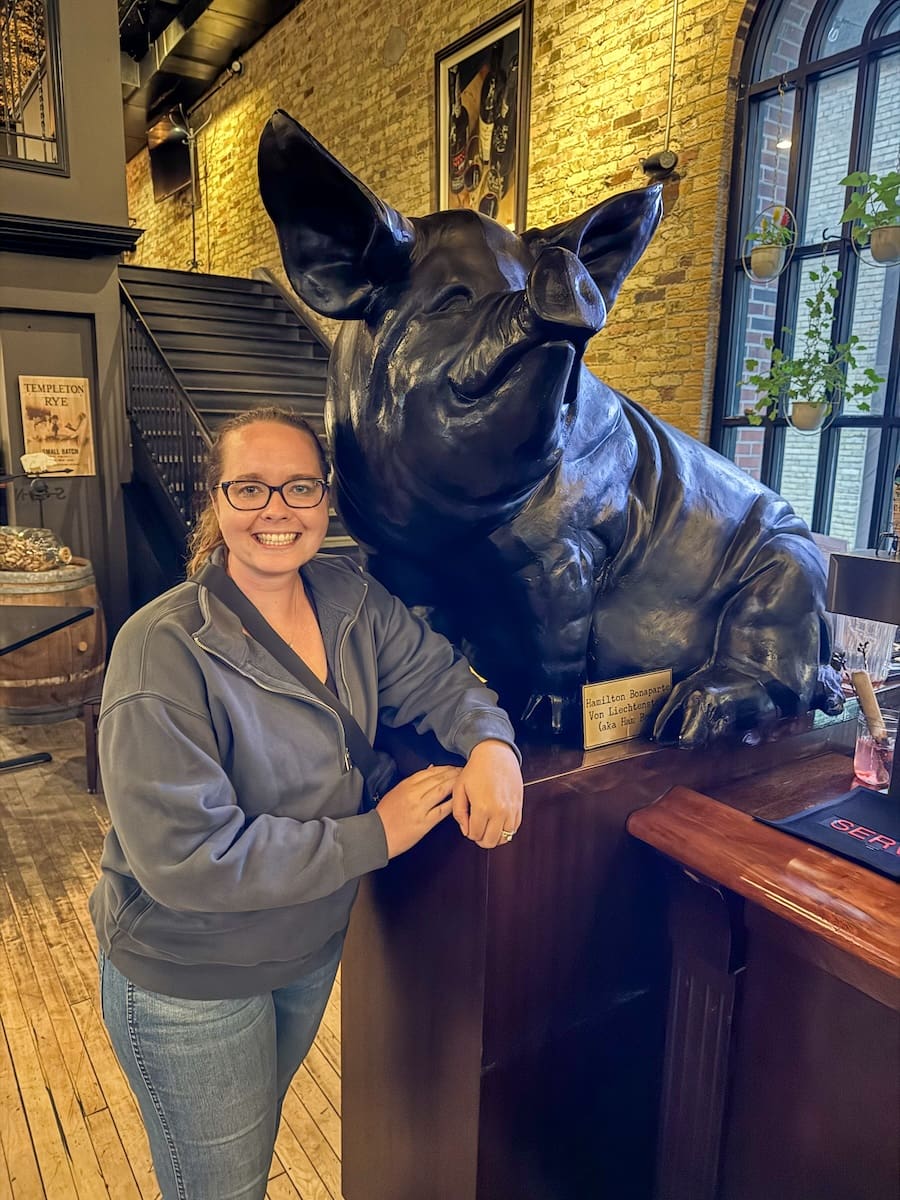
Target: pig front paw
(710,704)
(547,712)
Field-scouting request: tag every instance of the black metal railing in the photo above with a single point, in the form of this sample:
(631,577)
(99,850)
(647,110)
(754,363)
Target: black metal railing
(173,439)
(163,416)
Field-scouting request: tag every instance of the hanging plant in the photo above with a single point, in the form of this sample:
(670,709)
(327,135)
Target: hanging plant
(810,382)
(771,241)
(874,209)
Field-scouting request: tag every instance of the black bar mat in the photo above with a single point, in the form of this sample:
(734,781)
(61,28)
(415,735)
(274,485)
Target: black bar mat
(863,825)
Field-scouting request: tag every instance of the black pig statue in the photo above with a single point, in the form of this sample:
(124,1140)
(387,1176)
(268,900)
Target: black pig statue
(553,528)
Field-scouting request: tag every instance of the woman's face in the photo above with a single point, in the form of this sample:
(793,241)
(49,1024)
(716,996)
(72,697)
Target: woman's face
(276,540)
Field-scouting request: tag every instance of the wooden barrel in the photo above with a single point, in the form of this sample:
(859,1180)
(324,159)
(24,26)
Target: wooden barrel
(51,678)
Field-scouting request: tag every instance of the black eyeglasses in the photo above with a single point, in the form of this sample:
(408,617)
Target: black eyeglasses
(251,495)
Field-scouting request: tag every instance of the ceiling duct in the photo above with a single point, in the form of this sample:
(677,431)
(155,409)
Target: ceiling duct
(142,21)
(188,55)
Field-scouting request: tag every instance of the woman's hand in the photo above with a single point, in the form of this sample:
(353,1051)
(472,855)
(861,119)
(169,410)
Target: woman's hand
(487,796)
(415,806)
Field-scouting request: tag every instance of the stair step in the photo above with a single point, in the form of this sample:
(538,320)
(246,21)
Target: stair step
(273,363)
(234,344)
(132,274)
(257,295)
(225,327)
(215,418)
(218,346)
(215,401)
(308,380)
(270,310)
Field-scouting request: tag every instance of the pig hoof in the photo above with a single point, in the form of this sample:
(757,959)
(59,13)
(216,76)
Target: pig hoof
(710,704)
(560,711)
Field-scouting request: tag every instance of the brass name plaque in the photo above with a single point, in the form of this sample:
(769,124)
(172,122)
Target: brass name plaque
(615,710)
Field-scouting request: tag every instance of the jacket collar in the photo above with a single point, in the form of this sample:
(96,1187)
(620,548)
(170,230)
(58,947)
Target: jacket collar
(338,589)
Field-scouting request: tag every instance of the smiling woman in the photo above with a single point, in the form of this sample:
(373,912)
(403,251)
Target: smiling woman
(240,829)
(221,474)
(272,528)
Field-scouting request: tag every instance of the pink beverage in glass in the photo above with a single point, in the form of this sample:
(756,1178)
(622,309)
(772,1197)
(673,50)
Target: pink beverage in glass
(873,761)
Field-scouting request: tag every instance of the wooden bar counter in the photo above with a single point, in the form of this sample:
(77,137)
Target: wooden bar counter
(504,1012)
(782,1065)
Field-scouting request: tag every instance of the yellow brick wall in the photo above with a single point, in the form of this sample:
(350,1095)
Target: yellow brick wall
(599,94)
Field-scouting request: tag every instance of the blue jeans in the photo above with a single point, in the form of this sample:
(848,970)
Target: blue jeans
(210,1076)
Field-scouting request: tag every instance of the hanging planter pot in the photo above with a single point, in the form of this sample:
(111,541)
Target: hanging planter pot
(767,262)
(885,244)
(809,416)
(874,210)
(769,245)
(815,366)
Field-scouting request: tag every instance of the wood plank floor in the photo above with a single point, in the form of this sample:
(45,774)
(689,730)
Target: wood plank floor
(69,1126)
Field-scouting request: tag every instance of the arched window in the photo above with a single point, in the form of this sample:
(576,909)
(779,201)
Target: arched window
(820,97)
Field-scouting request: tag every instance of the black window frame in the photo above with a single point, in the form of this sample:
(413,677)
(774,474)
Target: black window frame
(55,72)
(865,56)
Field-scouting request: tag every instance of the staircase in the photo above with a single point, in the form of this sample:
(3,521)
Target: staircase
(200,348)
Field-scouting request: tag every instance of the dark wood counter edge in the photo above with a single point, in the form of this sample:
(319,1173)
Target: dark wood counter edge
(546,761)
(851,908)
(810,734)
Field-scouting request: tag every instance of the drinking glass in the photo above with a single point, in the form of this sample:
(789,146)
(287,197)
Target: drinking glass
(872,761)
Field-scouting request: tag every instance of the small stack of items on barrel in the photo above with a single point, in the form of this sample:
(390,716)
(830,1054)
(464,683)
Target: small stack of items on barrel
(23,549)
(50,677)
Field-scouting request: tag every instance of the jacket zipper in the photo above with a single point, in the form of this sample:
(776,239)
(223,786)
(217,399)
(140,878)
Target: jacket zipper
(341,643)
(308,697)
(348,765)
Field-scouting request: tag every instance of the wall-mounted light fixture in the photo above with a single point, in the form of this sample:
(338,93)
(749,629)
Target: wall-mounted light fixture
(660,163)
(784,137)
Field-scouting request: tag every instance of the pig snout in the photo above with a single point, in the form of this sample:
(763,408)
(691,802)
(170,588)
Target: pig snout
(561,294)
(560,303)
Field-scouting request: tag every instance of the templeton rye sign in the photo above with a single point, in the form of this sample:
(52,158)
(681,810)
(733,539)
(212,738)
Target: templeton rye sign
(56,420)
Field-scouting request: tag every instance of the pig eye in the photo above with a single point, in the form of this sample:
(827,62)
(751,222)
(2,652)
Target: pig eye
(451,297)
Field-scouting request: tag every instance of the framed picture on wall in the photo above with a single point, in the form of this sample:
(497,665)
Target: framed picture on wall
(56,421)
(481,130)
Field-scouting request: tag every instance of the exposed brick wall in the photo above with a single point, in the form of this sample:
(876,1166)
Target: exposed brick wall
(598,105)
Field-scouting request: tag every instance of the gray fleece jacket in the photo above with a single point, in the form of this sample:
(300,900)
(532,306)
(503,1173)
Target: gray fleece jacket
(237,839)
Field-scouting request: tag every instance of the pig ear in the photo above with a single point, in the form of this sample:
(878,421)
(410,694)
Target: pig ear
(339,242)
(609,238)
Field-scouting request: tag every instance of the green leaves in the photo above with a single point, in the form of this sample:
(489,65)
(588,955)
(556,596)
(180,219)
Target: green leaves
(875,203)
(817,369)
(776,230)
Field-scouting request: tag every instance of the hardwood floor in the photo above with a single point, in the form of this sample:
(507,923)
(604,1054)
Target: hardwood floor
(69,1126)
